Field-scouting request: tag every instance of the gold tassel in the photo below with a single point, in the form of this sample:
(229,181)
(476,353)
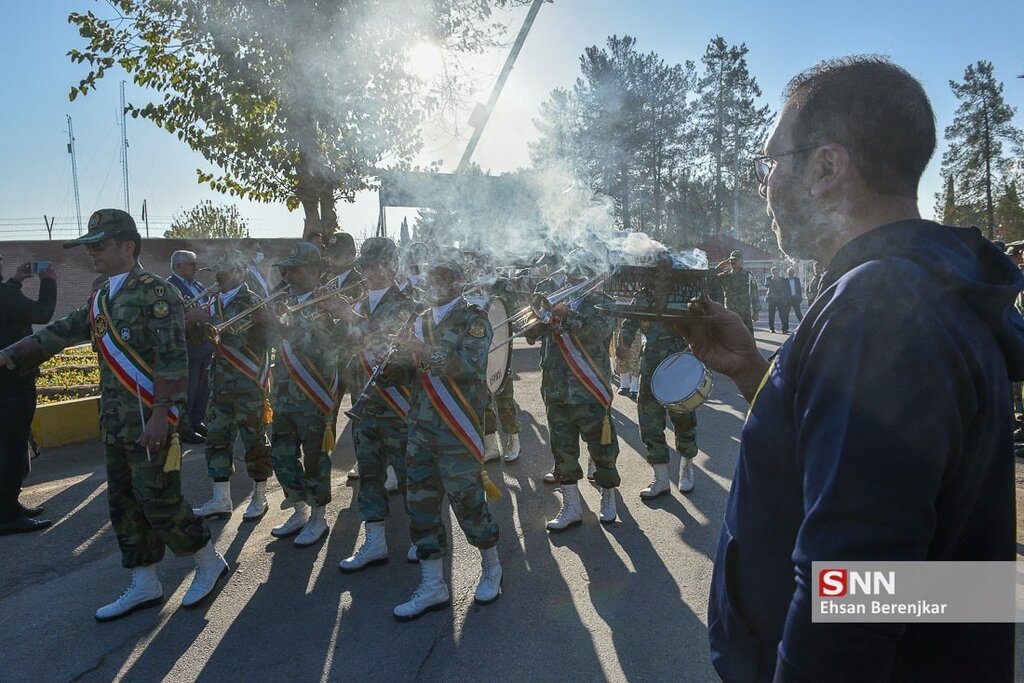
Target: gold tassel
(173,461)
(492,491)
(329,441)
(606,430)
(268,412)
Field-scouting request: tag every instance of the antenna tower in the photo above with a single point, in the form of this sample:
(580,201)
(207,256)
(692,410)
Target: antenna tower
(74,173)
(124,153)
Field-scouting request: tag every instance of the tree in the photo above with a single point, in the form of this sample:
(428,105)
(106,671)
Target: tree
(730,129)
(983,122)
(206,220)
(300,101)
(1009,214)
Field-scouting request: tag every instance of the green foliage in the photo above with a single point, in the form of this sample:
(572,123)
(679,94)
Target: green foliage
(1010,214)
(289,100)
(671,147)
(206,220)
(975,164)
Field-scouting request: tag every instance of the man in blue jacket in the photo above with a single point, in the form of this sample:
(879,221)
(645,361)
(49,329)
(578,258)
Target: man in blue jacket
(882,428)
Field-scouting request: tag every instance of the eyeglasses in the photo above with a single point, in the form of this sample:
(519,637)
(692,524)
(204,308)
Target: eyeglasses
(765,164)
(98,246)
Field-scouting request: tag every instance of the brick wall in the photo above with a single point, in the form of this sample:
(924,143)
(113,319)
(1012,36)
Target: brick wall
(74,268)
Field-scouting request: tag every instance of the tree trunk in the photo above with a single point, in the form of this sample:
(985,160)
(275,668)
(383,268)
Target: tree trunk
(989,210)
(328,213)
(309,197)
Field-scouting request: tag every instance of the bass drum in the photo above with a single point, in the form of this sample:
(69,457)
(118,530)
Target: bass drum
(499,360)
(681,382)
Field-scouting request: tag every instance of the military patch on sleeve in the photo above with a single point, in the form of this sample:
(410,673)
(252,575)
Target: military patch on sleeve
(161,309)
(126,333)
(478,329)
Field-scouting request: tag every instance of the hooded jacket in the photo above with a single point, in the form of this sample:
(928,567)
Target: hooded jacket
(883,432)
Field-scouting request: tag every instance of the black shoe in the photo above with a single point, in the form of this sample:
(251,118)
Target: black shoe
(623,391)
(772,329)
(633,395)
(201,430)
(192,437)
(30,512)
(23,525)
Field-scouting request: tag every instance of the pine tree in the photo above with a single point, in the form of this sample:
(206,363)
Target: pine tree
(975,157)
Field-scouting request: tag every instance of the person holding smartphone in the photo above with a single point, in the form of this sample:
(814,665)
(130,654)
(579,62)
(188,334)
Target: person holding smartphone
(18,391)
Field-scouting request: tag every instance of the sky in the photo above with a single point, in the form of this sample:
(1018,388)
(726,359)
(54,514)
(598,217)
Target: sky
(934,41)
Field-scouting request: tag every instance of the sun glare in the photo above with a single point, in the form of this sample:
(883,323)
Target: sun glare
(426,61)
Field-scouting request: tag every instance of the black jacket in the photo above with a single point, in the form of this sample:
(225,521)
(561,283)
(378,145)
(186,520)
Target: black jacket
(17,315)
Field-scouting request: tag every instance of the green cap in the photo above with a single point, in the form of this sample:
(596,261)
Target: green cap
(376,250)
(103,224)
(303,254)
(340,243)
(452,265)
(229,260)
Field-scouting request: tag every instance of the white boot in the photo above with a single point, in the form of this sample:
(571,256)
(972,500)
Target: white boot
(411,557)
(143,591)
(489,588)
(512,448)
(353,473)
(660,485)
(431,594)
(492,447)
(549,478)
(625,380)
(293,524)
(257,503)
(607,515)
(374,549)
(686,475)
(591,469)
(570,514)
(210,566)
(634,386)
(391,483)
(219,505)
(315,528)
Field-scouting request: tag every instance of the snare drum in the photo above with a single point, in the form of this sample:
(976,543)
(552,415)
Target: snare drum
(681,382)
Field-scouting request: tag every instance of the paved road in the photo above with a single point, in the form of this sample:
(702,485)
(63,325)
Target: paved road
(625,602)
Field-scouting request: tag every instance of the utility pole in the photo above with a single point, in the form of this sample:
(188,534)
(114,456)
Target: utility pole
(124,153)
(481,113)
(74,173)
(145,217)
(49,226)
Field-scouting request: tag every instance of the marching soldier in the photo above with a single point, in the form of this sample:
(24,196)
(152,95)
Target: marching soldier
(660,343)
(381,430)
(740,289)
(576,386)
(450,342)
(239,401)
(137,326)
(303,396)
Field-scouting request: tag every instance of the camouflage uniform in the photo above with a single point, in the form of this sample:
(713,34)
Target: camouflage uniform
(147,510)
(504,399)
(437,461)
(660,343)
(740,290)
(572,410)
(380,436)
(237,402)
(301,461)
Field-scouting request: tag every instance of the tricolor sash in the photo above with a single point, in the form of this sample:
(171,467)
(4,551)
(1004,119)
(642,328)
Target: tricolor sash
(584,367)
(448,400)
(131,371)
(311,382)
(245,360)
(396,397)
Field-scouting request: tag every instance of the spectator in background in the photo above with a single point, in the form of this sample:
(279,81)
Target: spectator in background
(254,277)
(316,239)
(18,394)
(775,297)
(814,284)
(200,349)
(793,294)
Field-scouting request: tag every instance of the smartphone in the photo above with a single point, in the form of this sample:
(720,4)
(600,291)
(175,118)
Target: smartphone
(37,267)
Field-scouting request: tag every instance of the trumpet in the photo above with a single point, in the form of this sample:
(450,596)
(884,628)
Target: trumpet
(355,413)
(197,300)
(214,331)
(318,298)
(542,308)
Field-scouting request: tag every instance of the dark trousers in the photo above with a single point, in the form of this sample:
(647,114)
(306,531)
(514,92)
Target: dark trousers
(773,307)
(199,358)
(17,406)
(784,309)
